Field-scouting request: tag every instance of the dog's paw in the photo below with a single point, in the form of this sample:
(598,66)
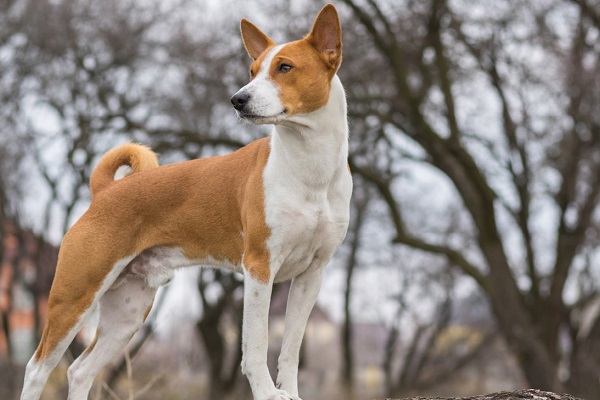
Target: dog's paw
(282,395)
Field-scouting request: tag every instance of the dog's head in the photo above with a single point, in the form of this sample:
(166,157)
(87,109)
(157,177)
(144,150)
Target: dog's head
(292,78)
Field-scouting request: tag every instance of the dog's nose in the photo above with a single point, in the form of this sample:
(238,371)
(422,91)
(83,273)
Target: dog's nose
(239,100)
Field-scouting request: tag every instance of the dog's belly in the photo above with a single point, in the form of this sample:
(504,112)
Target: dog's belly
(157,265)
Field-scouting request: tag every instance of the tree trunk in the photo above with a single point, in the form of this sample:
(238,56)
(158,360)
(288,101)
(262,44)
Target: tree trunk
(531,394)
(222,380)
(348,365)
(346,336)
(4,324)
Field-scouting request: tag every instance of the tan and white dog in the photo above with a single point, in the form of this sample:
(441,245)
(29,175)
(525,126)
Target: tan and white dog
(274,210)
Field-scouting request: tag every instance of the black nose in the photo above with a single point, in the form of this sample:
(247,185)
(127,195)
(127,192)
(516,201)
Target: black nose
(239,100)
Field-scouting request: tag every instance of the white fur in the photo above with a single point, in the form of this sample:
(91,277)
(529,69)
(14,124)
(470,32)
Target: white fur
(122,172)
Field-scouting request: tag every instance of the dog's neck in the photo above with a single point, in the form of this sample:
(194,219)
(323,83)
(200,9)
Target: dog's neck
(314,146)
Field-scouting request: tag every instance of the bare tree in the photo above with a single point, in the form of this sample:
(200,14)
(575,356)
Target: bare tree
(423,64)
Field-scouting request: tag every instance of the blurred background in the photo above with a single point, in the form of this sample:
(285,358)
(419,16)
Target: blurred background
(471,262)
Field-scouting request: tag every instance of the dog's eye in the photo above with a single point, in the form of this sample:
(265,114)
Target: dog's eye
(284,68)
(251,74)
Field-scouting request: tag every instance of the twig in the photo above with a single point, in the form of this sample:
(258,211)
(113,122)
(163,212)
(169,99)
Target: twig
(149,385)
(129,375)
(98,392)
(110,391)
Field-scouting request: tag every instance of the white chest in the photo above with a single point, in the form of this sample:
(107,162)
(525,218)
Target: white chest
(307,224)
(308,187)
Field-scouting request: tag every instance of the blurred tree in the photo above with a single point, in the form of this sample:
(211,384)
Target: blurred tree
(8,264)
(360,203)
(228,304)
(500,100)
(425,69)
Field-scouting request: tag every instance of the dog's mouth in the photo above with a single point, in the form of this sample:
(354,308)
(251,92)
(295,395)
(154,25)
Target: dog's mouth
(263,119)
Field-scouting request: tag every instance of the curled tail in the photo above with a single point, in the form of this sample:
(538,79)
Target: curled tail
(137,156)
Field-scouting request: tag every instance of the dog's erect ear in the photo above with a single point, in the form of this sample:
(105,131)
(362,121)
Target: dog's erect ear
(254,40)
(326,36)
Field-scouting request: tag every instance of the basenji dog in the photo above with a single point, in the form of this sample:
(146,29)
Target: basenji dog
(274,210)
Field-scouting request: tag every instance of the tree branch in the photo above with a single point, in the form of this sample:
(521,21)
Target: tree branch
(438,9)
(402,236)
(588,11)
(521,176)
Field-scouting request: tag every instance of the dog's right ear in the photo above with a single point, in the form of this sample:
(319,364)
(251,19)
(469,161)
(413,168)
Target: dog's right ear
(254,40)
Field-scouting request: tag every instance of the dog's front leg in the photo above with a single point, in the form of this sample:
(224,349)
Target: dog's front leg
(302,297)
(255,339)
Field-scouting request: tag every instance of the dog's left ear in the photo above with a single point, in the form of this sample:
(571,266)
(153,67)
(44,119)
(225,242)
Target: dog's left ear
(326,36)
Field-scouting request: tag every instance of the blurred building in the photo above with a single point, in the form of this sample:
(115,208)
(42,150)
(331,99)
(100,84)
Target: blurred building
(26,272)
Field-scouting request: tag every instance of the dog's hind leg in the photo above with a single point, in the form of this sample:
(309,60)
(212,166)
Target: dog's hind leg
(122,312)
(71,301)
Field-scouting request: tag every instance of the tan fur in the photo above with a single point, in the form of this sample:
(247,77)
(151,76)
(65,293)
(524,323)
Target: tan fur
(307,77)
(137,156)
(255,41)
(201,206)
